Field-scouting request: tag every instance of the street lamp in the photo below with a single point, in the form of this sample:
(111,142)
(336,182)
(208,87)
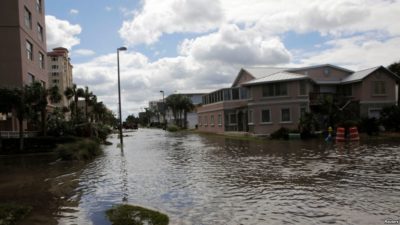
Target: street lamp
(119,97)
(163,109)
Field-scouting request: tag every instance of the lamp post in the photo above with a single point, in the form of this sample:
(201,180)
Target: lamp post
(119,97)
(163,109)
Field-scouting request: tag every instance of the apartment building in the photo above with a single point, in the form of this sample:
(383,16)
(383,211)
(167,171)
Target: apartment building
(60,72)
(262,100)
(23,47)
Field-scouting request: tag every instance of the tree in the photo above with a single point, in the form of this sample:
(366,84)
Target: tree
(16,101)
(74,93)
(180,105)
(89,100)
(390,117)
(38,97)
(395,68)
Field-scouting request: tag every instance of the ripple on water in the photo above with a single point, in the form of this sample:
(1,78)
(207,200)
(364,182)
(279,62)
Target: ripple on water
(216,180)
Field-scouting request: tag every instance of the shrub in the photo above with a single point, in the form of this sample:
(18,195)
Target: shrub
(172,128)
(390,118)
(281,133)
(10,214)
(135,215)
(370,126)
(84,149)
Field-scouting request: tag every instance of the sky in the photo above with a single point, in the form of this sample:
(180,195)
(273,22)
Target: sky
(181,46)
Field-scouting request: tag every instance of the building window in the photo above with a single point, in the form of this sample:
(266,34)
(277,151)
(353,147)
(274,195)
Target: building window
(327,71)
(54,74)
(374,113)
(54,67)
(347,90)
(56,81)
(41,60)
(212,120)
(272,90)
(28,18)
(220,120)
(40,32)
(29,50)
(379,88)
(31,78)
(205,120)
(39,5)
(199,120)
(303,111)
(285,115)
(265,116)
(303,87)
(43,83)
(235,93)
(54,59)
(232,118)
(250,117)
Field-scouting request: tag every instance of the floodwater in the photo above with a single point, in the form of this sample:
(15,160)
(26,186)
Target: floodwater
(204,179)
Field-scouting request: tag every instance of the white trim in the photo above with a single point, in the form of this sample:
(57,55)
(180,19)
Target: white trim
(229,119)
(279,102)
(250,112)
(266,123)
(290,115)
(378,102)
(269,112)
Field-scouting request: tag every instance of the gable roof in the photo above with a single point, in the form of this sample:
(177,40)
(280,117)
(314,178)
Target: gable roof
(360,75)
(279,76)
(318,66)
(257,72)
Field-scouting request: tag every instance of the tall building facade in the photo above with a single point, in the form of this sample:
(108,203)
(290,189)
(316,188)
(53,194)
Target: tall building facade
(22,43)
(60,72)
(23,47)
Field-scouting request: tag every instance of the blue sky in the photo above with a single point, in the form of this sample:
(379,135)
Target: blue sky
(178,45)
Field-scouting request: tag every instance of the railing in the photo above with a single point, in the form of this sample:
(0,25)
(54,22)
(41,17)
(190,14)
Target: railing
(318,98)
(15,134)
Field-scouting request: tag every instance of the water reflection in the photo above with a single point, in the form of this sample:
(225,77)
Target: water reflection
(202,179)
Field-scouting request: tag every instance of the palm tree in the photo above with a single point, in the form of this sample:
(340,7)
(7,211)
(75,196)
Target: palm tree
(38,95)
(15,100)
(180,106)
(74,93)
(87,95)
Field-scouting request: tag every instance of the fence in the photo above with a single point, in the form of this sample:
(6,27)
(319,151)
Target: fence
(15,134)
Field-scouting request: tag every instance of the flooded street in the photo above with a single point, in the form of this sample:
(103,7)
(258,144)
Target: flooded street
(204,179)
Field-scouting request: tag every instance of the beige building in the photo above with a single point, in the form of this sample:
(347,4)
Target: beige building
(262,100)
(60,72)
(23,47)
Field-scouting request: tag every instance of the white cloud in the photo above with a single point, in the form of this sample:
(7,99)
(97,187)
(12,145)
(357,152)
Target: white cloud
(329,17)
(229,34)
(108,8)
(158,17)
(61,33)
(235,46)
(359,52)
(83,52)
(74,11)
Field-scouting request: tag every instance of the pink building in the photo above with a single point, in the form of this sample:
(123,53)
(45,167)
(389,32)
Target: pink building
(262,100)
(23,48)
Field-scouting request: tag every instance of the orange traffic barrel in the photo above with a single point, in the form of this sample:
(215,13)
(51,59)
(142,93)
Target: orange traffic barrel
(354,134)
(340,134)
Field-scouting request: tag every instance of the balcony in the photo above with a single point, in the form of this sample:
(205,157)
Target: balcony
(317,98)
